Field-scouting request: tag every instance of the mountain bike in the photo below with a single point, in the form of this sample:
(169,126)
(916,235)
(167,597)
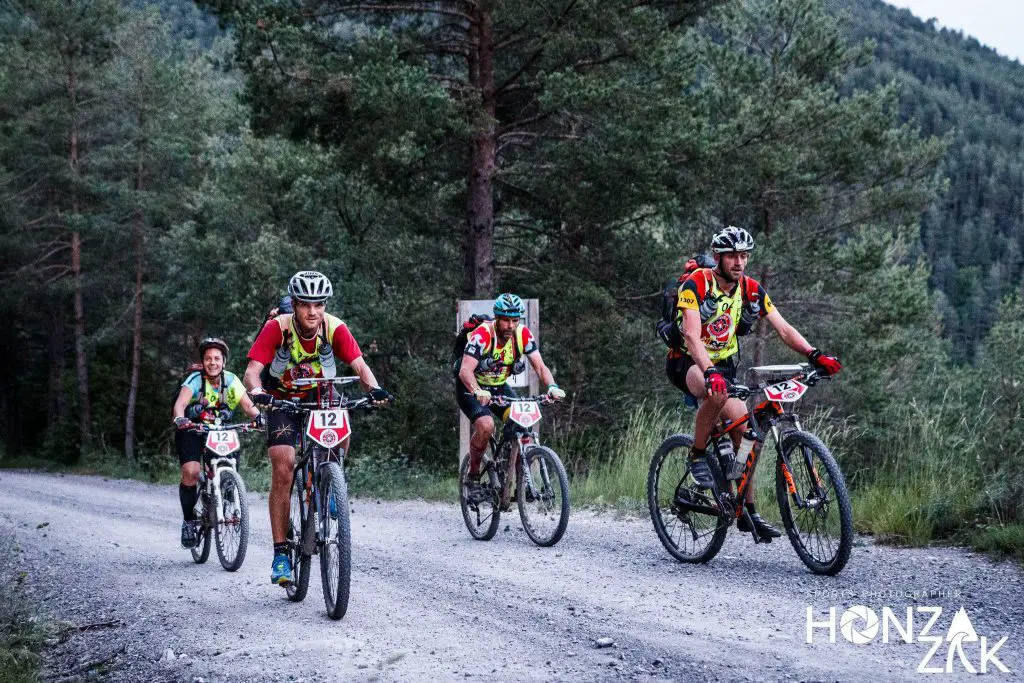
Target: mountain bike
(541,484)
(222,510)
(318,523)
(692,521)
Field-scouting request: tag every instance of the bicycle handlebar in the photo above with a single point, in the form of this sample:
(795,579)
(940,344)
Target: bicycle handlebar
(809,376)
(241,426)
(543,399)
(339,403)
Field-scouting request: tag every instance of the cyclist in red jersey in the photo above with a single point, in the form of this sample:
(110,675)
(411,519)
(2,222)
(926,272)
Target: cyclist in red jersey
(713,303)
(306,343)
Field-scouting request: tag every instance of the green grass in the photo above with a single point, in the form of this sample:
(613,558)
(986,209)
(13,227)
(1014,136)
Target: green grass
(620,481)
(22,632)
(1001,541)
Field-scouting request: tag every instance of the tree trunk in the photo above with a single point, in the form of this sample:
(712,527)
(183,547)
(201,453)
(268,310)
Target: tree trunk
(133,384)
(81,367)
(479,243)
(767,204)
(138,245)
(56,405)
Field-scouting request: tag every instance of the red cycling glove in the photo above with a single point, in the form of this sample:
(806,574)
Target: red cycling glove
(714,381)
(830,365)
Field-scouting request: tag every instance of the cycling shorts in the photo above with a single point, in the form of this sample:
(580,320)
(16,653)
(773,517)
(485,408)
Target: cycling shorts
(472,408)
(676,369)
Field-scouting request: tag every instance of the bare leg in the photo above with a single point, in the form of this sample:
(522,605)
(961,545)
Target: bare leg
(282,465)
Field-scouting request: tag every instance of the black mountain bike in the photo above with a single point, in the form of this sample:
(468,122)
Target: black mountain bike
(691,521)
(222,510)
(542,486)
(319,520)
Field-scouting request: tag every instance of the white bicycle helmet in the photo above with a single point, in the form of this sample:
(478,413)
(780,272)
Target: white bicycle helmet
(732,238)
(309,285)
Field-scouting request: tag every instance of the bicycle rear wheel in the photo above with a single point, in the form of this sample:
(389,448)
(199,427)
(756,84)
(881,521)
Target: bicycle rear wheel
(297,523)
(201,551)
(233,533)
(683,513)
(336,539)
(816,511)
(480,506)
(543,496)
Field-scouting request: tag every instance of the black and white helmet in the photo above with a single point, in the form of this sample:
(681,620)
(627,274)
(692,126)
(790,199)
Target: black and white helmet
(309,285)
(732,238)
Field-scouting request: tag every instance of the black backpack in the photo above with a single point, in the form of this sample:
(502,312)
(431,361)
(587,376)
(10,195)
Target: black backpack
(459,346)
(666,328)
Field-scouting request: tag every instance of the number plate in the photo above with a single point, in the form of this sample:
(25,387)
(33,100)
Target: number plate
(785,392)
(223,443)
(328,427)
(525,414)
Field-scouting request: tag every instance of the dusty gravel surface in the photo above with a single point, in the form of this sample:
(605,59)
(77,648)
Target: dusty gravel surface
(429,603)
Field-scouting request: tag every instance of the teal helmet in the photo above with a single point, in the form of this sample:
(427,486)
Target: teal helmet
(508,306)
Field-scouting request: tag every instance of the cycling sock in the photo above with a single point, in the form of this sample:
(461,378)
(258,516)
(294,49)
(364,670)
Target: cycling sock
(188,495)
(750,508)
(697,452)
(280,548)
(475,456)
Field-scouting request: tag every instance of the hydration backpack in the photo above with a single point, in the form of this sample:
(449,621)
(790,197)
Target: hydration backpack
(459,346)
(666,328)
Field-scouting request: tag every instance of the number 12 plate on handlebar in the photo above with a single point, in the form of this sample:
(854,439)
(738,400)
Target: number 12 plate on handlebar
(525,413)
(223,443)
(785,392)
(328,427)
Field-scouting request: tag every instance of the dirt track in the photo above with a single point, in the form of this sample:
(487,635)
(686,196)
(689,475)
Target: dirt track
(429,603)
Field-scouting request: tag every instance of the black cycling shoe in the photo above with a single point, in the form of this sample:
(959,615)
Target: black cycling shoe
(189,537)
(701,471)
(476,492)
(764,530)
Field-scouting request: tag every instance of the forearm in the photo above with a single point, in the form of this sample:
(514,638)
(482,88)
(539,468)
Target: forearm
(698,353)
(251,378)
(468,379)
(794,340)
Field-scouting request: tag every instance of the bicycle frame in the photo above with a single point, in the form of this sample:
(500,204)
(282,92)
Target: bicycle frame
(313,456)
(213,463)
(763,418)
(515,439)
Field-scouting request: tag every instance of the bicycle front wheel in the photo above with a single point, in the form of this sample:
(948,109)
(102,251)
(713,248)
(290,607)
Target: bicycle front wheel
(814,503)
(297,524)
(479,501)
(201,551)
(233,529)
(684,514)
(542,492)
(336,539)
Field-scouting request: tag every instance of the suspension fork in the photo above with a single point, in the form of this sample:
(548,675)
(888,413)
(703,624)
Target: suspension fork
(787,468)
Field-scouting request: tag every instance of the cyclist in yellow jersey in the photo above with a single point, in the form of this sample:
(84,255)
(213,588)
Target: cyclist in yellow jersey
(493,352)
(206,395)
(713,304)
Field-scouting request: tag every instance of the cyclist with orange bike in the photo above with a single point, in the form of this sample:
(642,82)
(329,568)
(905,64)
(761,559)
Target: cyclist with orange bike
(712,304)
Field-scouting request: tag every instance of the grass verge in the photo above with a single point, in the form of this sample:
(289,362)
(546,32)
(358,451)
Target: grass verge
(22,631)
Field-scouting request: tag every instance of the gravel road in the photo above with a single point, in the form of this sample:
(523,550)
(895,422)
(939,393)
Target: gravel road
(429,603)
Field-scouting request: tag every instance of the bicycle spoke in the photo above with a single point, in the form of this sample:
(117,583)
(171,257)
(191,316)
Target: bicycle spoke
(820,524)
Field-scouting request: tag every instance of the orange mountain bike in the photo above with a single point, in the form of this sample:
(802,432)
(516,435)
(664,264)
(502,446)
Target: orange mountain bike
(692,521)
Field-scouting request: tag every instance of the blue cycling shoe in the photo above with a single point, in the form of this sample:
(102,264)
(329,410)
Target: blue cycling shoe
(281,570)
(332,507)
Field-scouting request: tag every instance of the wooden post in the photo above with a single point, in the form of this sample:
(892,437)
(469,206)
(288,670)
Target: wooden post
(526,382)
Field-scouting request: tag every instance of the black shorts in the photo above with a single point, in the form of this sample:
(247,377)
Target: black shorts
(189,445)
(283,428)
(676,369)
(471,407)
